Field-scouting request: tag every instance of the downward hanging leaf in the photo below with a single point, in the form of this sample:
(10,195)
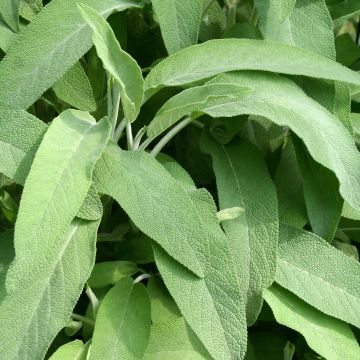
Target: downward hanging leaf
(219,292)
(154,201)
(194,63)
(117,62)
(329,337)
(243,180)
(319,274)
(52,43)
(281,101)
(179,22)
(122,324)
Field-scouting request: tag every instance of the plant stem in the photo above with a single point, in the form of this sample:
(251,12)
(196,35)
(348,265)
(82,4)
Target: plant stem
(129,136)
(115,113)
(141,278)
(254,16)
(83,319)
(119,130)
(145,144)
(232,6)
(159,146)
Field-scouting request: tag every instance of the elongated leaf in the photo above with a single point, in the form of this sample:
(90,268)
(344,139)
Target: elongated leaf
(53,194)
(9,10)
(196,99)
(110,272)
(51,284)
(194,63)
(243,180)
(219,292)
(117,62)
(122,325)
(155,202)
(74,350)
(91,208)
(285,104)
(20,137)
(343,9)
(52,43)
(319,274)
(74,88)
(329,337)
(323,201)
(179,22)
(6,36)
(308,24)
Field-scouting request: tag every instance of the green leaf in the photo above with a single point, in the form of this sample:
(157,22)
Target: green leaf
(194,63)
(74,350)
(243,180)
(50,285)
(329,337)
(74,88)
(216,301)
(122,324)
(289,187)
(117,62)
(29,8)
(321,190)
(179,22)
(6,36)
(342,10)
(319,274)
(9,10)
(91,208)
(110,272)
(20,137)
(48,47)
(280,100)
(155,202)
(170,336)
(307,25)
(194,100)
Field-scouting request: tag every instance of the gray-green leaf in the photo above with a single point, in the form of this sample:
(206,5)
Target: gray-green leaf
(329,337)
(179,22)
(194,63)
(319,274)
(243,180)
(56,38)
(122,326)
(117,62)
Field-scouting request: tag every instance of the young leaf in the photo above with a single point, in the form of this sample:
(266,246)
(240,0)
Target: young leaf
(243,180)
(319,274)
(197,99)
(122,325)
(219,292)
(74,88)
(110,272)
(48,47)
(9,10)
(329,337)
(194,63)
(117,62)
(155,202)
(74,350)
(50,285)
(20,137)
(285,104)
(179,22)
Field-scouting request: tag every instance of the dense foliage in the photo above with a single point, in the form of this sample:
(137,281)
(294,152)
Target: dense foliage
(179,179)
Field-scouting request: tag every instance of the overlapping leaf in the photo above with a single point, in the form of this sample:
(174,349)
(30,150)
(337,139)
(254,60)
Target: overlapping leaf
(56,38)
(319,274)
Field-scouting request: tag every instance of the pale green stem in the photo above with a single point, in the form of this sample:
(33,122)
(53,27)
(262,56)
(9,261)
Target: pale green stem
(159,146)
(83,319)
(119,130)
(129,136)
